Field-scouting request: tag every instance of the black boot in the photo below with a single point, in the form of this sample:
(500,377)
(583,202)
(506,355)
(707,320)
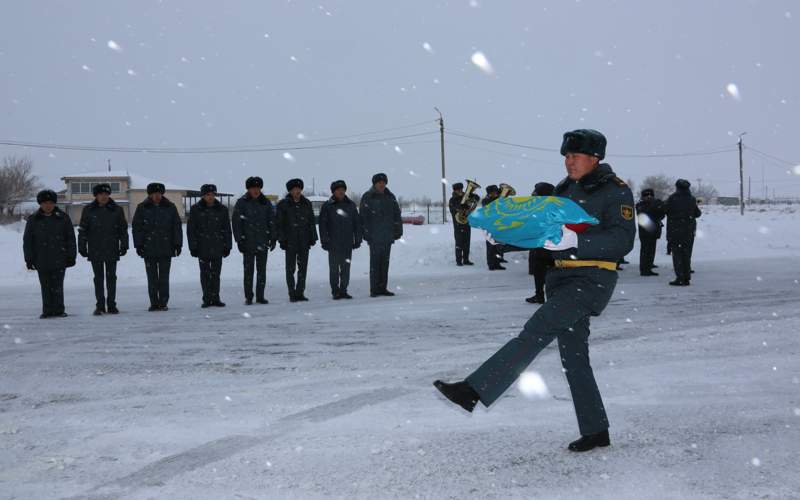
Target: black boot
(679,283)
(248,302)
(468,263)
(590,442)
(536,299)
(345,295)
(217,303)
(262,300)
(98,311)
(112,309)
(649,273)
(387,293)
(153,308)
(459,393)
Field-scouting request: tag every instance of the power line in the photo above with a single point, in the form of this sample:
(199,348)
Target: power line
(781,160)
(201,150)
(618,155)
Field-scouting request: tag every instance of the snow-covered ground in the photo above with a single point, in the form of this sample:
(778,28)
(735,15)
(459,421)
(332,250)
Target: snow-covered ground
(334,399)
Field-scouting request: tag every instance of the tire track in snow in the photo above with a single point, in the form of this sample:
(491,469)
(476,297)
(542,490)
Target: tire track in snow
(161,471)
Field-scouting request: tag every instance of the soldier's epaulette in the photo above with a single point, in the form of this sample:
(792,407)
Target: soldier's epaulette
(619,182)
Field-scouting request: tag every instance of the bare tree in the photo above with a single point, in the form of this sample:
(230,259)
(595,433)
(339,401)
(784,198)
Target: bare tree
(17,183)
(662,185)
(705,191)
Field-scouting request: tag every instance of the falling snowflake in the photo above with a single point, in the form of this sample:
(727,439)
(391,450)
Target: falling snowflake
(444,181)
(756,462)
(763,230)
(398,150)
(412,173)
(796,170)
(532,385)
(86,68)
(288,156)
(246,315)
(181,85)
(132,72)
(228,398)
(427,47)
(480,60)
(114,46)
(733,90)
(293,59)
(301,136)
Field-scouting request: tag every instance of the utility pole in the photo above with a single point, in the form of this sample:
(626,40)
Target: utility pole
(749,187)
(444,177)
(741,175)
(109,165)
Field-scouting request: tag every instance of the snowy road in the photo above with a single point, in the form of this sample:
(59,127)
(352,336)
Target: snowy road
(334,399)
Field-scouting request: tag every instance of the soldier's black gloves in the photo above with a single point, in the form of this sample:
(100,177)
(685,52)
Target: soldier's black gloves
(324,246)
(356,245)
(240,246)
(83,253)
(283,245)
(70,263)
(312,243)
(177,251)
(140,252)
(272,245)
(193,253)
(123,251)
(31,266)
(226,252)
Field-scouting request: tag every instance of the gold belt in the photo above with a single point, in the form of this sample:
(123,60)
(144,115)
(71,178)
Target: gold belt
(602,264)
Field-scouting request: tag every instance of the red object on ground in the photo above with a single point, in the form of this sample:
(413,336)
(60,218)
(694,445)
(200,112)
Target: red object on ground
(578,228)
(416,220)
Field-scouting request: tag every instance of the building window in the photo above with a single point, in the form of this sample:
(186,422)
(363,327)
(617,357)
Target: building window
(114,187)
(86,187)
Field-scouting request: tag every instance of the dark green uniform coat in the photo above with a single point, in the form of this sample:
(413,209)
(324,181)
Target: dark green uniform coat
(157,229)
(382,224)
(49,247)
(574,295)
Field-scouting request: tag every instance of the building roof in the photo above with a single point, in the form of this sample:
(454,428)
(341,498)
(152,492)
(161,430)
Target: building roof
(135,181)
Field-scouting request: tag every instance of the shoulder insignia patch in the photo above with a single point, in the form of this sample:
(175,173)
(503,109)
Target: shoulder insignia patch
(626,211)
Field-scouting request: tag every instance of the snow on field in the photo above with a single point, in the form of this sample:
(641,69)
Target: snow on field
(334,399)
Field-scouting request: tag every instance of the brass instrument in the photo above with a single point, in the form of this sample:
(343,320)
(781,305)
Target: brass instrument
(507,190)
(468,203)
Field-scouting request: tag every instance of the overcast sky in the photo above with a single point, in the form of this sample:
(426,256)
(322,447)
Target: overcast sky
(653,76)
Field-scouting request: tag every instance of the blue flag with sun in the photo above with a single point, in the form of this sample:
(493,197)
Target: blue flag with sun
(528,221)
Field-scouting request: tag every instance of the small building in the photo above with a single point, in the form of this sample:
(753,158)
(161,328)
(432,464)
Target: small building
(127,189)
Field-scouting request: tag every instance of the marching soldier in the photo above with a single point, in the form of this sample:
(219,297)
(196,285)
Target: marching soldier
(158,237)
(493,255)
(382,225)
(103,239)
(580,286)
(297,233)
(539,259)
(682,213)
(208,232)
(462,232)
(650,212)
(49,247)
(340,234)
(253,225)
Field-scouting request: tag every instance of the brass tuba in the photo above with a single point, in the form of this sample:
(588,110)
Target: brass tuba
(507,190)
(468,203)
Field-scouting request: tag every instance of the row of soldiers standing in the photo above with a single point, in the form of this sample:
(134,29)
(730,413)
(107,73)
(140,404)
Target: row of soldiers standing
(680,209)
(255,226)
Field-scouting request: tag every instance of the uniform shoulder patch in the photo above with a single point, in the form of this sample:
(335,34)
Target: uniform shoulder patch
(619,182)
(626,211)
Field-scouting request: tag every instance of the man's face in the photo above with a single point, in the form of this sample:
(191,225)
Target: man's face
(156,197)
(47,206)
(380,186)
(102,198)
(254,192)
(338,194)
(459,192)
(296,192)
(209,198)
(579,164)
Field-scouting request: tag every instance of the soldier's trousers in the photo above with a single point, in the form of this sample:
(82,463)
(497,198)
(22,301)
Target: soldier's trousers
(158,279)
(105,279)
(682,259)
(647,254)
(492,255)
(379,255)
(51,282)
(296,258)
(540,267)
(463,236)
(573,296)
(339,265)
(210,270)
(255,262)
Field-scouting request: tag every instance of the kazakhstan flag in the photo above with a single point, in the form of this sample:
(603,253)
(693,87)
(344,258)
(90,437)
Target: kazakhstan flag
(528,221)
